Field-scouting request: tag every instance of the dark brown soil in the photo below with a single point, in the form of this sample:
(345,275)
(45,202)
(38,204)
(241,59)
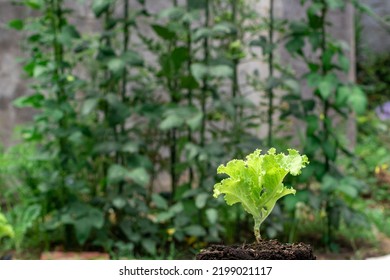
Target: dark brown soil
(264,250)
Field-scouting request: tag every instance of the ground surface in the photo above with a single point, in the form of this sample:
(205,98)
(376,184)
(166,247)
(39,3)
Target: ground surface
(265,250)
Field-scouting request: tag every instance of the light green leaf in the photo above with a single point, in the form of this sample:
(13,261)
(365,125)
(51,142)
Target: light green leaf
(195,230)
(116,173)
(344,63)
(358,100)
(139,175)
(199,71)
(325,88)
(119,202)
(150,246)
(116,65)
(130,147)
(342,95)
(6,230)
(201,199)
(100,6)
(335,4)
(164,216)
(89,106)
(212,215)
(221,71)
(132,58)
(195,120)
(159,201)
(34,4)
(173,13)
(256,182)
(39,70)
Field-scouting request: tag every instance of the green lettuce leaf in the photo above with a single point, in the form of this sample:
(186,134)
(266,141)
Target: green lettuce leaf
(257,182)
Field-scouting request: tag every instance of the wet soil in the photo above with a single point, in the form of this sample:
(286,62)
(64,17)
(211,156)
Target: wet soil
(264,250)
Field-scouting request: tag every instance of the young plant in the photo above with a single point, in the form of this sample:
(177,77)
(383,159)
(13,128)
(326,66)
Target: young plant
(257,182)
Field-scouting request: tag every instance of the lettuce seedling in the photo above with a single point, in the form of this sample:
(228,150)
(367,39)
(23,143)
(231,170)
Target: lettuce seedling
(257,182)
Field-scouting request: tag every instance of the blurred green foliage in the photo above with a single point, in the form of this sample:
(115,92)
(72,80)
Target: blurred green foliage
(131,126)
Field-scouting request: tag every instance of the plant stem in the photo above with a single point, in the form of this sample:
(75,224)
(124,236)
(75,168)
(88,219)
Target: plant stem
(324,71)
(189,91)
(124,78)
(256,230)
(235,88)
(172,86)
(270,73)
(205,89)
(56,24)
(328,207)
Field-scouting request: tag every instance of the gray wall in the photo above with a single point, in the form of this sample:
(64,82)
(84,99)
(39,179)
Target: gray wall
(375,38)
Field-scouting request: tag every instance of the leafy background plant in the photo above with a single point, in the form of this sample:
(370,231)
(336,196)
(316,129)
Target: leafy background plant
(131,126)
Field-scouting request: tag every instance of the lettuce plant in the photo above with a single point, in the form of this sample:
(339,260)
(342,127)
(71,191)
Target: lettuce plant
(257,182)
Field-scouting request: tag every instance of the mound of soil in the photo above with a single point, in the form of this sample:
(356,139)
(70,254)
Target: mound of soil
(264,250)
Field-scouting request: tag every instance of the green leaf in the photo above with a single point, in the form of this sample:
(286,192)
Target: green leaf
(335,4)
(116,65)
(196,4)
(201,33)
(34,4)
(325,89)
(39,71)
(164,216)
(173,13)
(221,71)
(150,246)
(312,124)
(89,106)
(116,173)
(344,63)
(223,29)
(84,218)
(195,120)
(330,150)
(171,121)
(119,202)
(159,201)
(348,190)
(313,79)
(106,147)
(256,182)
(6,230)
(342,95)
(295,45)
(16,24)
(130,147)
(177,117)
(132,58)
(293,85)
(357,100)
(326,86)
(67,34)
(163,32)
(212,216)
(100,6)
(195,230)
(139,175)
(201,200)
(199,71)
(34,101)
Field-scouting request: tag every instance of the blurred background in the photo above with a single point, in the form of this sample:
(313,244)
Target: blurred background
(115,114)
